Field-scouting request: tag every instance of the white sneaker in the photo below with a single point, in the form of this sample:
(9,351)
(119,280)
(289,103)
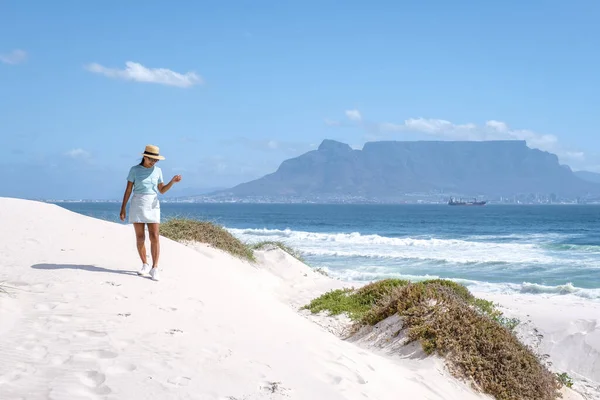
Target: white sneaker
(154,274)
(144,270)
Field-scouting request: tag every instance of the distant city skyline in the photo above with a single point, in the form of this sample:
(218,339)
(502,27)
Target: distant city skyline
(229,92)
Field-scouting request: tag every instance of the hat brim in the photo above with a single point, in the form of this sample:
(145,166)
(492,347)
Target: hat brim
(155,157)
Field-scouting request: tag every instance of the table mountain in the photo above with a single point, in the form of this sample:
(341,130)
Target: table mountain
(389,169)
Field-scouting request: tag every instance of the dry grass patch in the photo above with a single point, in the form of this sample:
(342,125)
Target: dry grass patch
(446,319)
(189,230)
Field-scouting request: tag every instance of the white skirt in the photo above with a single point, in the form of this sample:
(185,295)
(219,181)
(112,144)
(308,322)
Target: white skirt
(144,208)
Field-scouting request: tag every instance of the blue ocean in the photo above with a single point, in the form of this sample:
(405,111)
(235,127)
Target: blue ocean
(499,248)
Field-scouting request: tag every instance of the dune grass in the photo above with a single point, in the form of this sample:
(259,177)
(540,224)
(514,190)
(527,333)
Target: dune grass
(449,321)
(190,230)
(355,303)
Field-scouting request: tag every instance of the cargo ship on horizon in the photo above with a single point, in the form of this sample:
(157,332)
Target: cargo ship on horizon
(454,202)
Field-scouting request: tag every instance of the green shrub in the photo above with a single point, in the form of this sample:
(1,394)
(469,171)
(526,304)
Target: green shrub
(189,230)
(476,346)
(565,379)
(355,303)
(446,319)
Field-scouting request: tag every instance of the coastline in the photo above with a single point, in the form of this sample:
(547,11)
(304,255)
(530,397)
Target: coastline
(82,325)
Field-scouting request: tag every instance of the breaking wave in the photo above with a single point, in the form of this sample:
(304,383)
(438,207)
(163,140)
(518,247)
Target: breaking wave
(492,263)
(376,246)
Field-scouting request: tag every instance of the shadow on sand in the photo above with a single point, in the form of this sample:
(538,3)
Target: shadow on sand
(90,268)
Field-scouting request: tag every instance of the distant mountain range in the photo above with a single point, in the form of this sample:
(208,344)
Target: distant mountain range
(588,176)
(388,170)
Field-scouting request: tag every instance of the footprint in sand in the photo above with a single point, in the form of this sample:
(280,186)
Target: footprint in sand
(91,379)
(92,387)
(39,352)
(19,370)
(35,351)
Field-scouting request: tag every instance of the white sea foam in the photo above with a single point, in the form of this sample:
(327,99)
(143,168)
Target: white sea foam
(535,288)
(374,273)
(367,257)
(376,246)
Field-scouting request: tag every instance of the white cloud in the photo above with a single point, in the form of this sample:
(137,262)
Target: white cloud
(14,57)
(354,115)
(139,73)
(78,153)
(447,130)
(574,155)
(491,130)
(272,144)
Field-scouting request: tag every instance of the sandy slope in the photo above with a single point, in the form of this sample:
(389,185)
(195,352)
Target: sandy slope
(566,328)
(80,325)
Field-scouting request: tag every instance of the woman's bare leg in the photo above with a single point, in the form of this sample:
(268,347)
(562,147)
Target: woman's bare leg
(153,231)
(140,241)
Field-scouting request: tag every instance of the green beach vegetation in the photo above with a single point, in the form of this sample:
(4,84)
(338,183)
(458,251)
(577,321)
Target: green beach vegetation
(190,230)
(187,230)
(471,334)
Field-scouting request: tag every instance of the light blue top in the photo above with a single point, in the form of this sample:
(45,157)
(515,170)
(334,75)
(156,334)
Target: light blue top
(145,180)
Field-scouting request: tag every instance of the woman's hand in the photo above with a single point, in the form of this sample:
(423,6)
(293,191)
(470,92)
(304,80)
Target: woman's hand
(123,215)
(176,178)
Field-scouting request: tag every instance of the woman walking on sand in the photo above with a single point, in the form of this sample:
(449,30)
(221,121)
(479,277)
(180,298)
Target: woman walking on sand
(145,180)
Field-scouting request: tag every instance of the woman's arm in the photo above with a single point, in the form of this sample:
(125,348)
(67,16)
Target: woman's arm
(162,188)
(128,191)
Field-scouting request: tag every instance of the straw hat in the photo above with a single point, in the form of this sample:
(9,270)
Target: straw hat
(152,151)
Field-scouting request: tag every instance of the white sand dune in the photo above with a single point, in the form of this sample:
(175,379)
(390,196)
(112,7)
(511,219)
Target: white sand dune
(80,324)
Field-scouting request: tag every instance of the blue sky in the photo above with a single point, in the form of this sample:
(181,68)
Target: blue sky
(229,89)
